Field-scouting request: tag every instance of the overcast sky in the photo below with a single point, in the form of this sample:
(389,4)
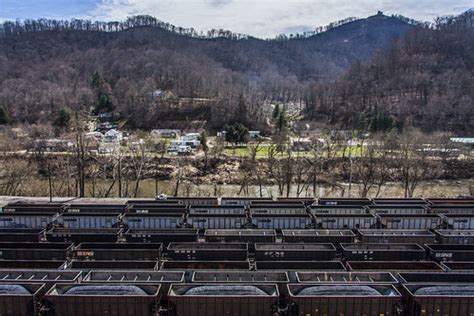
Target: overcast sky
(262,18)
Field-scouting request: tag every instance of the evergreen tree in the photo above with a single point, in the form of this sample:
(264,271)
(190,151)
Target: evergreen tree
(203,140)
(4,116)
(96,82)
(62,119)
(281,123)
(205,146)
(276,112)
(236,133)
(104,102)
(281,130)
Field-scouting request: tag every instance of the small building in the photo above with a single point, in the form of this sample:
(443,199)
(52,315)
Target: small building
(113,136)
(175,144)
(193,144)
(105,117)
(191,136)
(179,147)
(254,134)
(166,133)
(158,93)
(467,141)
(105,126)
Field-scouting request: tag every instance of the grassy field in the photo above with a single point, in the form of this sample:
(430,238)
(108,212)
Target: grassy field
(263,151)
(243,151)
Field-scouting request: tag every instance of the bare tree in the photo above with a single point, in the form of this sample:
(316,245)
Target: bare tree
(14,175)
(255,168)
(413,160)
(275,169)
(139,158)
(81,152)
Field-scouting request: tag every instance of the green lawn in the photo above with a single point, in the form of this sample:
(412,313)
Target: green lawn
(242,151)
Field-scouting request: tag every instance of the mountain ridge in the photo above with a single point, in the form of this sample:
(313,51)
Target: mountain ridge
(46,71)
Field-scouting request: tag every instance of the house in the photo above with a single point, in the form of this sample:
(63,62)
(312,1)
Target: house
(173,146)
(113,136)
(191,143)
(179,147)
(184,150)
(166,133)
(191,136)
(158,93)
(467,141)
(254,134)
(105,126)
(105,117)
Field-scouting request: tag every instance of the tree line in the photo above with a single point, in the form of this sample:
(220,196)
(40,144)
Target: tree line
(406,159)
(10,28)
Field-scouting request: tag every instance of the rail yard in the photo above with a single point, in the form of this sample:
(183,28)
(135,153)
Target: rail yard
(237,256)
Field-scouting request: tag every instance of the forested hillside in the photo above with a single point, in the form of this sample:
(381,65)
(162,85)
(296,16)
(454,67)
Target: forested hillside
(47,65)
(424,79)
(376,73)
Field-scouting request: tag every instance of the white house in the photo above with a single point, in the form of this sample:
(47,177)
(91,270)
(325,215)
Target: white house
(166,133)
(468,141)
(191,136)
(113,136)
(179,147)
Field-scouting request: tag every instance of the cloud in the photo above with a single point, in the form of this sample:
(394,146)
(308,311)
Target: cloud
(262,18)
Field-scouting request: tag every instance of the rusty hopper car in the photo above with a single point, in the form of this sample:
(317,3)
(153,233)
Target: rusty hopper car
(208,251)
(397,236)
(118,251)
(332,236)
(294,252)
(240,235)
(451,236)
(219,299)
(394,266)
(346,277)
(20,299)
(164,236)
(441,252)
(344,299)
(103,299)
(440,299)
(382,252)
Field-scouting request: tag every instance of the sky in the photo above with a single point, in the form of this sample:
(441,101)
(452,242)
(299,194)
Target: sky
(260,18)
